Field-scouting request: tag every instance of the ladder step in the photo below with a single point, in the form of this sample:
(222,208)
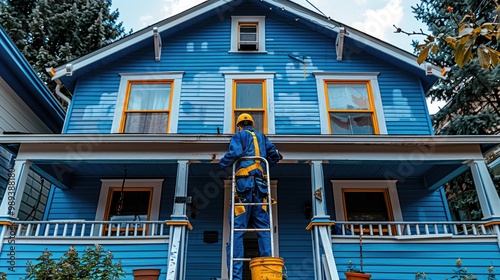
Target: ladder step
(242,259)
(251,203)
(252,229)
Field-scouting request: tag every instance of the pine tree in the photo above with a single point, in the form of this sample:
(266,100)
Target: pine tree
(472,91)
(51,33)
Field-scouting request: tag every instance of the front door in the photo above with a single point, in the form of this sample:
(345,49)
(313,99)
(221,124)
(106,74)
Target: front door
(250,238)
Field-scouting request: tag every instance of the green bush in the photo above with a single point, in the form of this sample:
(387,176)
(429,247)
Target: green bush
(94,263)
(460,273)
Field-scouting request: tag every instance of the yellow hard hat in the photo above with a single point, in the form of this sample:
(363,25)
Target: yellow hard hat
(244,117)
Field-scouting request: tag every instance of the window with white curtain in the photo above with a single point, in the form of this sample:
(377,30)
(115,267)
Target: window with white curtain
(148,103)
(148,107)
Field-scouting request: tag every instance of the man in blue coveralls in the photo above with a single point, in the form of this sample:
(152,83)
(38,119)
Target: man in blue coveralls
(251,187)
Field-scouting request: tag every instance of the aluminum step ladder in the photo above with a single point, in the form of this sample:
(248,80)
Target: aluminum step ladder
(269,203)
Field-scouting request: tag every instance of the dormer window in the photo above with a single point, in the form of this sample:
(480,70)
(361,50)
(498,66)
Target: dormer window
(248,34)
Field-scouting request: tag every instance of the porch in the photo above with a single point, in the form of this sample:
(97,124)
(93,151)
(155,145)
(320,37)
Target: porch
(86,170)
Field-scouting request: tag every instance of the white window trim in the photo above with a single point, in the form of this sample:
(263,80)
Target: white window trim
(225,230)
(228,97)
(126,78)
(106,184)
(390,185)
(364,76)
(235,20)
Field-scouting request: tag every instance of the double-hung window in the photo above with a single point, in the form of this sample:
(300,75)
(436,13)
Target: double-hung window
(350,103)
(148,103)
(250,93)
(249,97)
(147,107)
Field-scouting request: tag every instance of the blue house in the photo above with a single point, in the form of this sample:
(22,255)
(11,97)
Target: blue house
(135,168)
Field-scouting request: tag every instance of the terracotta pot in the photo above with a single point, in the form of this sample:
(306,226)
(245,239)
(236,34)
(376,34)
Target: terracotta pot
(146,274)
(357,276)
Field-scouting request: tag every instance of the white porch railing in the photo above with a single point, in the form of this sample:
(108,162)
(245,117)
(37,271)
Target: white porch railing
(90,229)
(414,229)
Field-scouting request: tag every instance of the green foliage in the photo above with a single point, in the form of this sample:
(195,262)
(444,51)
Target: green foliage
(94,263)
(51,33)
(353,268)
(471,36)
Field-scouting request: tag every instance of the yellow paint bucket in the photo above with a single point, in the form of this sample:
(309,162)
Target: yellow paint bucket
(267,268)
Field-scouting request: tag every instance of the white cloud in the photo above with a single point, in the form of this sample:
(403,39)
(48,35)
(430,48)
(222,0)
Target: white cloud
(378,23)
(173,7)
(146,20)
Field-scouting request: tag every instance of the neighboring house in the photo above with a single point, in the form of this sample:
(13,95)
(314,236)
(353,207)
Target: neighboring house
(26,106)
(153,113)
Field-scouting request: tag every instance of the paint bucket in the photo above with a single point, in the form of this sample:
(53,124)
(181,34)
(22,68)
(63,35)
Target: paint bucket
(267,268)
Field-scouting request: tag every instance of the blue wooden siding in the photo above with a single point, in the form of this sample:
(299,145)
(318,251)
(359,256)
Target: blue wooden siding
(202,52)
(419,204)
(400,261)
(80,202)
(133,256)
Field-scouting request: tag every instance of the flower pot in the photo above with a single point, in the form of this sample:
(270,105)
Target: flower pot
(146,274)
(357,276)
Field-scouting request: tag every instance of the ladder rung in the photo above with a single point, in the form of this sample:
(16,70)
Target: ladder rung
(250,203)
(252,229)
(242,259)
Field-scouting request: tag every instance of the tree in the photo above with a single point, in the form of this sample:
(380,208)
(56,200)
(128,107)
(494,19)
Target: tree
(461,33)
(50,33)
(472,90)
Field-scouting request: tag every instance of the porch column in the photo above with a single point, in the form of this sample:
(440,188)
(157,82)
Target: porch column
(318,191)
(15,189)
(488,196)
(178,226)
(324,260)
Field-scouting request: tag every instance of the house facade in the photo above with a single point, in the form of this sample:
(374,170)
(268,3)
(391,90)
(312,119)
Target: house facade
(135,168)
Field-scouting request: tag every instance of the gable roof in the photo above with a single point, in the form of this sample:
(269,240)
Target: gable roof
(317,22)
(18,74)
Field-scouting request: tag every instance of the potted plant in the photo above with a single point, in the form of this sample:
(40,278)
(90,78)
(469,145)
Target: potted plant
(353,272)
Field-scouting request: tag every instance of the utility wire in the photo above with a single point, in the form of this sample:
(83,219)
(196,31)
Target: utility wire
(316,8)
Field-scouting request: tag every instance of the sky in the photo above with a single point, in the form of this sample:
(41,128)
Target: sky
(374,17)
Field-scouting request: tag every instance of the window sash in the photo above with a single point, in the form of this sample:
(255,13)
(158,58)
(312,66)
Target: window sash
(250,98)
(147,107)
(114,194)
(350,108)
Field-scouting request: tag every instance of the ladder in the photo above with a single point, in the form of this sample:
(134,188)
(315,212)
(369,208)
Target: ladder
(233,204)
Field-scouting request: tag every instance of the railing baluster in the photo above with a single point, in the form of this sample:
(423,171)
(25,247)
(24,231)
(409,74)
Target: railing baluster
(82,230)
(398,229)
(408,229)
(474,229)
(65,229)
(47,227)
(464,227)
(455,229)
(426,228)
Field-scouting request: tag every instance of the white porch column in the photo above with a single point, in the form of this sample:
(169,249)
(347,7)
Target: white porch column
(320,226)
(179,211)
(488,196)
(318,191)
(15,189)
(178,226)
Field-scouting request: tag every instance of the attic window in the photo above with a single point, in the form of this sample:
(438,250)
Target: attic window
(248,34)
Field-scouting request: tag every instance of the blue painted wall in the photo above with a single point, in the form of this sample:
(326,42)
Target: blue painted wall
(202,52)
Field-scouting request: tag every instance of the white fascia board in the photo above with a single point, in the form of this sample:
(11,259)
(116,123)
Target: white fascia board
(132,39)
(224,138)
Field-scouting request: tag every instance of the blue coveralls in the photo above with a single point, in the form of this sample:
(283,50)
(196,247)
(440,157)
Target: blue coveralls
(241,145)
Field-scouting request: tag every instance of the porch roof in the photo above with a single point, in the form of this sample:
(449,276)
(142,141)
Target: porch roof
(434,159)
